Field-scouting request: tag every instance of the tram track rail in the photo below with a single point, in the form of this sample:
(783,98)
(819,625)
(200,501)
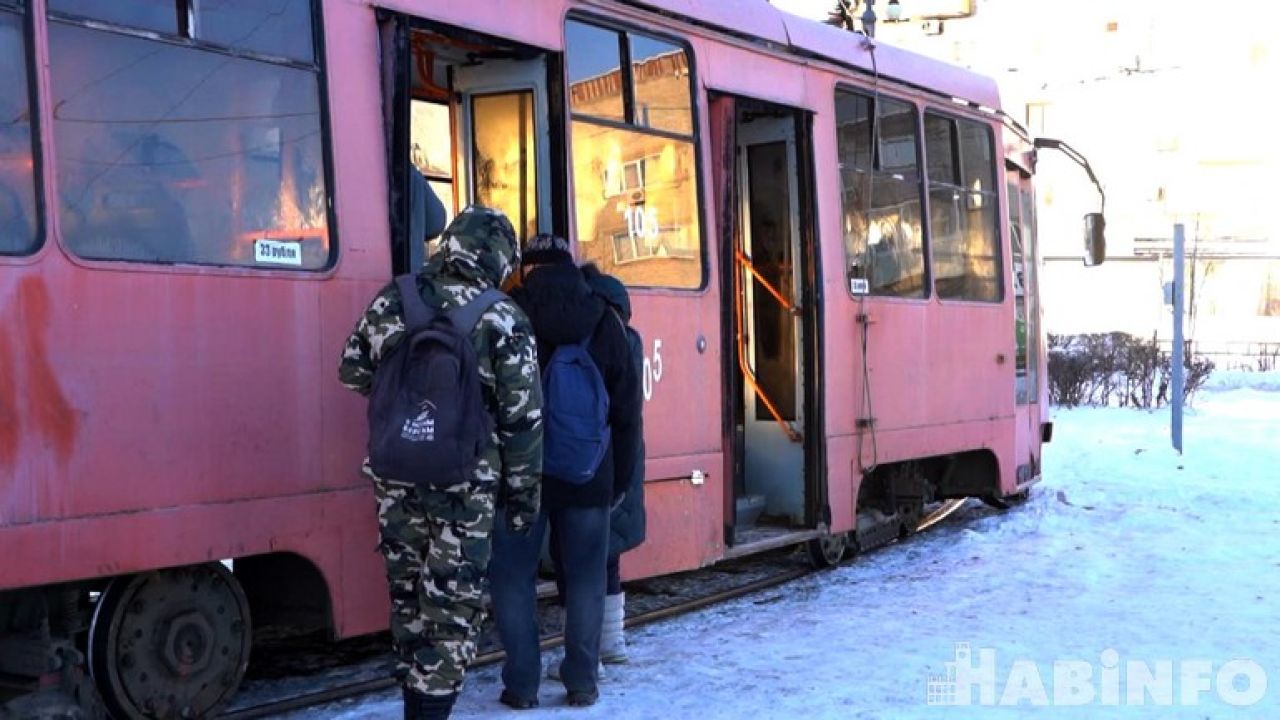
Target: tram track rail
(364,687)
(341,692)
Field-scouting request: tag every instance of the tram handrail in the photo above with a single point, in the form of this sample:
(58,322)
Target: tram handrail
(745,262)
(738,293)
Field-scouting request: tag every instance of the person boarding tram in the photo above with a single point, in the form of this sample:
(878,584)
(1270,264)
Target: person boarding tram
(435,529)
(569,320)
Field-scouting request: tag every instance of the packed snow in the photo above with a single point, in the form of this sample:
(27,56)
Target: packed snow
(1151,578)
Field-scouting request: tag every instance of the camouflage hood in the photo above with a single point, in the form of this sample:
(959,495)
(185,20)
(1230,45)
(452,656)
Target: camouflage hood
(479,246)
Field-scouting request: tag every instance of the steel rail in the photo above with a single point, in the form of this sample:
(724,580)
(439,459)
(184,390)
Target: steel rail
(341,692)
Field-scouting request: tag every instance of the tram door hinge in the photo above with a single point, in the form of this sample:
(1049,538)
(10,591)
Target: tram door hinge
(866,423)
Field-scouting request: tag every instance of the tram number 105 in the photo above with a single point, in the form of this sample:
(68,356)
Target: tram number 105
(652,369)
(642,222)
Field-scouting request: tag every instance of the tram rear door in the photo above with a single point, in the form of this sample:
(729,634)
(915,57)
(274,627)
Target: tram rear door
(778,488)
(471,114)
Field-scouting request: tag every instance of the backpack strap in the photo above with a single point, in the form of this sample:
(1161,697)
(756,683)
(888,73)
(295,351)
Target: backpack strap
(416,313)
(618,316)
(465,317)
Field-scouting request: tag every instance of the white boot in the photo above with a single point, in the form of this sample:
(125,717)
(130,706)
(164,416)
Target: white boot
(613,643)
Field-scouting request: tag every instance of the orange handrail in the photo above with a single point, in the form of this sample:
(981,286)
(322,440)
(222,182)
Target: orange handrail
(738,292)
(777,294)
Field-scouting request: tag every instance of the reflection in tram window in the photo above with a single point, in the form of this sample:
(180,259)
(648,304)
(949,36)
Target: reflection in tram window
(503,158)
(647,235)
(660,72)
(594,63)
(883,235)
(962,208)
(17,185)
(158,15)
(280,28)
(270,27)
(174,154)
(635,187)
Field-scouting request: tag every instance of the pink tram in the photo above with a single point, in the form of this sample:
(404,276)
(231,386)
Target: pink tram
(830,243)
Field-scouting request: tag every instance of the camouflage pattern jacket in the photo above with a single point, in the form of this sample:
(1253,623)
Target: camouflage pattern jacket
(478,250)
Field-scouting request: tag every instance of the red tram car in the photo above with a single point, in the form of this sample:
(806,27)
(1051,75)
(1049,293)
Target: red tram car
(830,243)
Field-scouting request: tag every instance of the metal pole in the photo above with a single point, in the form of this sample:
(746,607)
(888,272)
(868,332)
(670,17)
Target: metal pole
(1178,348)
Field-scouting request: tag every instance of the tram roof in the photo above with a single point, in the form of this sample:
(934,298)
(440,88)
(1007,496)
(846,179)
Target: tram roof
(761,21)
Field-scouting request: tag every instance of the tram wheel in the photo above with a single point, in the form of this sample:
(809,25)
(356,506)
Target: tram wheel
(827,550)
(171,643)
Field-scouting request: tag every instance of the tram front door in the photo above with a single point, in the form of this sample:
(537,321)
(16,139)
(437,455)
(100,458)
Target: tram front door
(778,485)
(471,115)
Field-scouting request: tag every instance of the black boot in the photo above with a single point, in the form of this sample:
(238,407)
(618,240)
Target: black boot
(412,704)
(427,707)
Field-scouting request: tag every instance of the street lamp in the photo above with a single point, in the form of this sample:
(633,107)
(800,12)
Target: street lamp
(869,19)
(895,11)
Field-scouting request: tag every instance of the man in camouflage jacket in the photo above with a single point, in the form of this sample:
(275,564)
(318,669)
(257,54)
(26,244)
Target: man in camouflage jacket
(437,541)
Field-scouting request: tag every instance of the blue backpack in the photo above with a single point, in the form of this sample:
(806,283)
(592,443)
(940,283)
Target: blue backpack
(575,415)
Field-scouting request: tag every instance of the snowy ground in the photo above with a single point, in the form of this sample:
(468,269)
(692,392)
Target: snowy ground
(1127,554)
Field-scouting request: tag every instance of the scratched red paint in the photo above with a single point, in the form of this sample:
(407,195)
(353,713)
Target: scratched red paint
(53,415)
(10,421)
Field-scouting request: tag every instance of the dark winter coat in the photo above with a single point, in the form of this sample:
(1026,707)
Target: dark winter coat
(627,522)
(564,310)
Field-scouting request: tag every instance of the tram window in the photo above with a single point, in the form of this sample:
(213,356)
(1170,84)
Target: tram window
(176,154)
(17,168)
(649,235)
(1030,248)
(881,195)
(271,27)
(1017,247)
(158,15)
(635,175)
(962,200)
(594,63)
(660,72)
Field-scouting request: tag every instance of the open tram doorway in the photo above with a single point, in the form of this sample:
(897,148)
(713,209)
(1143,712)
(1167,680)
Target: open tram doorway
(475,117)
(778,489)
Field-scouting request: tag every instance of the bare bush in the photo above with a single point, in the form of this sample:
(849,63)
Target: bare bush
(1118,369)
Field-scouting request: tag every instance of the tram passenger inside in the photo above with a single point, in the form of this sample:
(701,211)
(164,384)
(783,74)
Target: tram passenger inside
(427,217)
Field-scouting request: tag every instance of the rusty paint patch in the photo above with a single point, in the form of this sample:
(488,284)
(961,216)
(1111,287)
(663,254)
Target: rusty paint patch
(53,415)
(10,421)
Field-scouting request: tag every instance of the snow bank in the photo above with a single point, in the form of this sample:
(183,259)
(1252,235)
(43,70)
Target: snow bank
(1220,380)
